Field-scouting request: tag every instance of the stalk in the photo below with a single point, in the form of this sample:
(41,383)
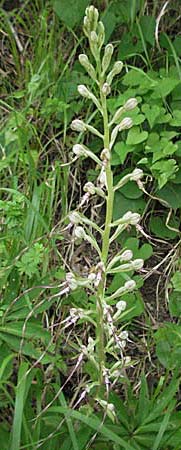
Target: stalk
(105,245)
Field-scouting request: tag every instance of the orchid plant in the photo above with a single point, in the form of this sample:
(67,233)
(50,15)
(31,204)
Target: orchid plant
(108,337)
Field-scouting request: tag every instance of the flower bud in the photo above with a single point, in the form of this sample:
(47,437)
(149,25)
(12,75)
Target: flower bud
(121,305)
(130,285)
(79,233)
(84,61)
(131,218)
(74,218)
(137,264)
(127,255)
(115,71)
(125,124)
(101,34)
(130,104)
(89,187)
(71,281)
(123,335)
(106,89)
(136,175)
(117,115)
(94,37)
(107,57)
(79,150)
(83,91)
(78,125)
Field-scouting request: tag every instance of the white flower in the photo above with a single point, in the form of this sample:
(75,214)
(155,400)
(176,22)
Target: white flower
(136,175)
(121,305)
(130,285)
(78,125)
(137,264)
(125,124)
(79,150)
(79,233)
(130,104)
(127,255)
(89,187)
(106,89)
(83,91)
(74,218)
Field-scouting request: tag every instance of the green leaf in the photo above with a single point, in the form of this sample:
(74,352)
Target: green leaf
(175,304)
(168,345)
(176,119)
(151,112)
(165,87)
(176,281)
(123,204)
(19,404)
(70,12)
(131,190)
(164,171)
(159,228)
(94,423)
(148,24)
(171,194)
(135,136)
(122,150)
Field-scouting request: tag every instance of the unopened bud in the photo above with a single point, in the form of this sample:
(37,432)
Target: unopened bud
(93,37)
(121,305)
(74,218)
(137,264)
(123,335)
(136,175)
(71,281)
(78,125)
(84,61)
(127,255)
(107,57)
(125,124)
(101,34)
(115,71)
(79,233)
(130,104)
(89,187)
(83,91)
(106,89)
(131,218)
(130,285)
(79,150)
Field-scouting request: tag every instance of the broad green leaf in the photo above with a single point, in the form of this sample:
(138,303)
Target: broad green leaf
(131,190)
(122,150)
(159,228)
(164,170)
(148,24)
(176,281)
(176,119)
(70,12)
(151,112)
(168,345)
(175,304)
(135,136)
(171,194)
(123,204)
(165,87)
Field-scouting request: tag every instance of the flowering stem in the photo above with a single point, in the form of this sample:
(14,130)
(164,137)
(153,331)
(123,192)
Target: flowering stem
(105,243)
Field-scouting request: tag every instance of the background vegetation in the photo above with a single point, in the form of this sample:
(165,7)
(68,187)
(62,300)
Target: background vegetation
(42,379)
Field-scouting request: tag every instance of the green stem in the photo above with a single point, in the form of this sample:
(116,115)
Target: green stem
(105,245)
